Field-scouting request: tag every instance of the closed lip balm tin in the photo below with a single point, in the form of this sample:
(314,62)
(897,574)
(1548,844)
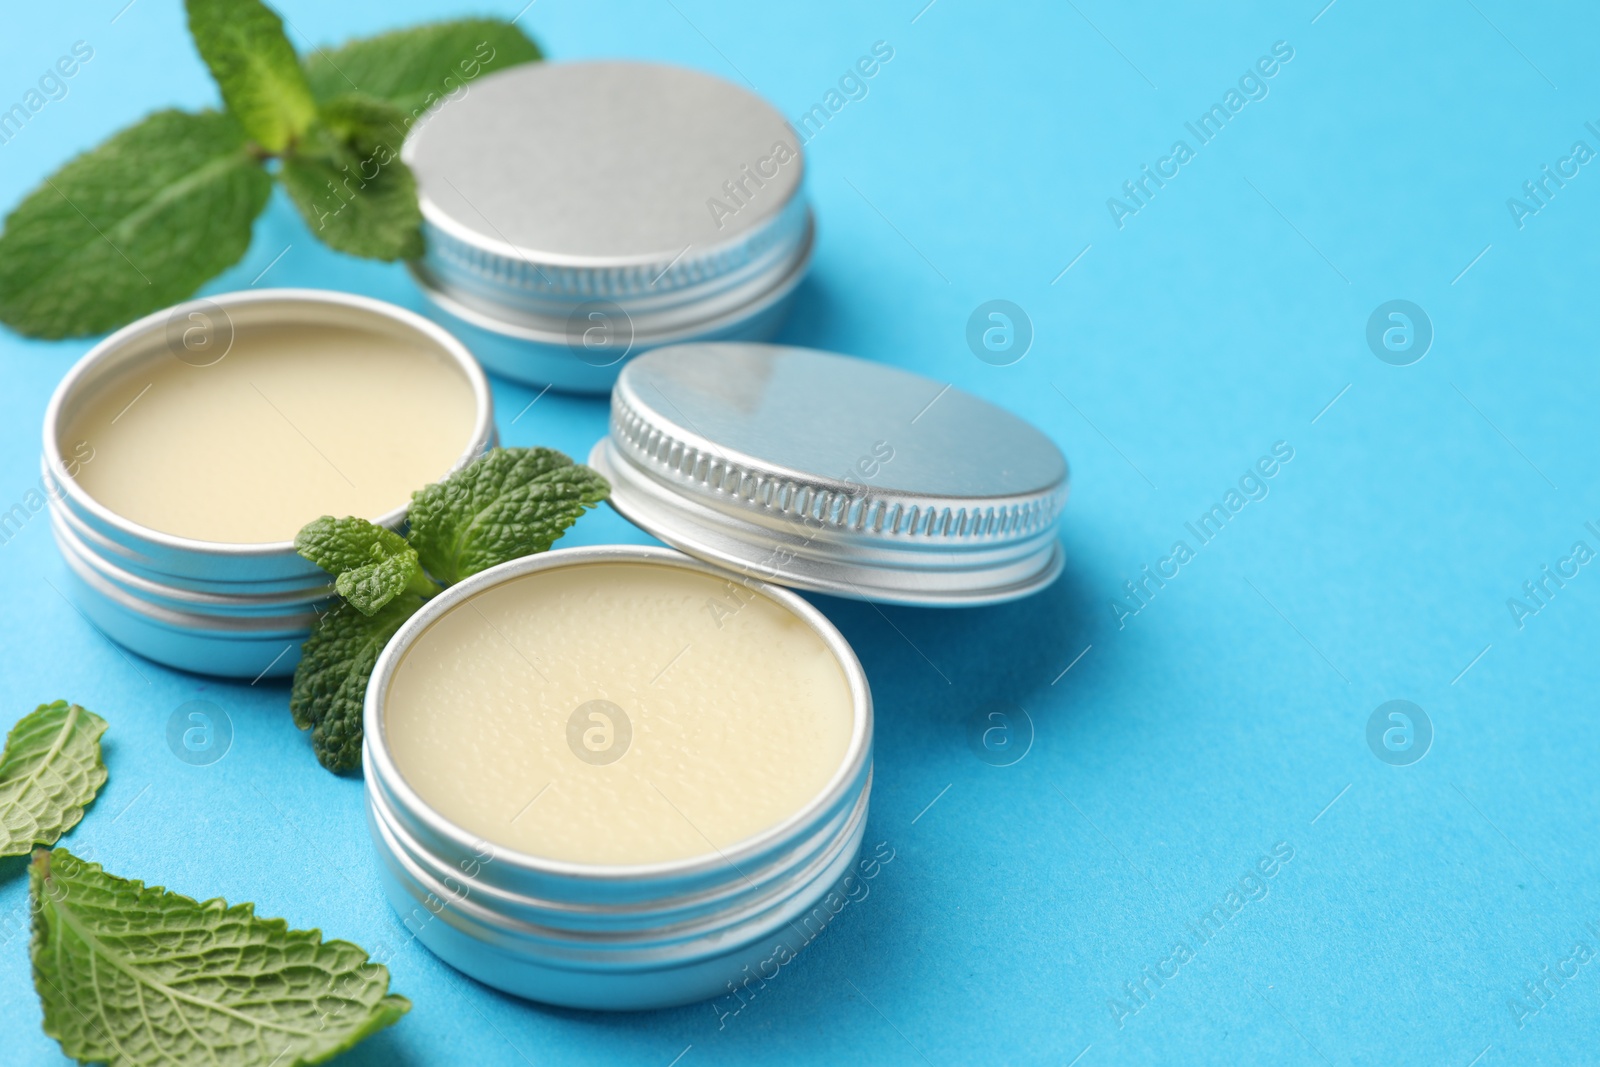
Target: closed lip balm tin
(230,609)
(611,937)
(576,214)
(834,474)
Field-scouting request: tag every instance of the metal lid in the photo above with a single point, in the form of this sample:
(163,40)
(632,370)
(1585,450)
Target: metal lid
(664,191)
(834,474)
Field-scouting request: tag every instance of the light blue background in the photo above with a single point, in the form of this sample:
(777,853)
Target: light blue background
(1222,719)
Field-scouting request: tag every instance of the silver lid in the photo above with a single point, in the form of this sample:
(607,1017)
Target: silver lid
(669,193)
(834,474)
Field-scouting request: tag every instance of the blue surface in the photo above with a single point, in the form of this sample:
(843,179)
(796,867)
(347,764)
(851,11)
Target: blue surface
(1184,742)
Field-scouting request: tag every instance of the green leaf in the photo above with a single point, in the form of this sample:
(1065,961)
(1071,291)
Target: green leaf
(417,67)
(256,68)
(509,503)
(132,226)
(347,179)
(131,975)
(330,684)
(372,565)
(49,773)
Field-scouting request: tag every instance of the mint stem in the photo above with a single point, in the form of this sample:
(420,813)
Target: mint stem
(422,585)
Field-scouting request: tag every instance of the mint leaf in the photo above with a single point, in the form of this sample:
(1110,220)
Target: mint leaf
(50,771)
(131,975)
(372,565)
(415,68)
(347,179)
(510,502)
(256,68)
(330,683)
(131,226)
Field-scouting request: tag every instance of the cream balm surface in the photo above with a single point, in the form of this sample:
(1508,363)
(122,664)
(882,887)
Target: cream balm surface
(618,714)
(293,422)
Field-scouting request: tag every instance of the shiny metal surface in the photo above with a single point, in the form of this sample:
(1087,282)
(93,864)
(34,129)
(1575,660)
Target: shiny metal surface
(840,475)
(213,608)
(234,601)
(666,197)
(609,937)
(529,349)
(135,571)
(228,646)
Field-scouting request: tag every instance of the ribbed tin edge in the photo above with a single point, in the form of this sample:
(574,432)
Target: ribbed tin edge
(652,318)
(802,552)
(535,358)
(295,602)
(692,465)
(627,978)
(584,931)
(122,560)
(473,261)
(295,625)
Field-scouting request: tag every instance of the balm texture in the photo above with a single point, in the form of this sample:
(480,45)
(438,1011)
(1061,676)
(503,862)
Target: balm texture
(618,713)
(292,423)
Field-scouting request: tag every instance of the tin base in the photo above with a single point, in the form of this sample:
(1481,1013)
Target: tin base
(505,963)
(270,654)
(234,636)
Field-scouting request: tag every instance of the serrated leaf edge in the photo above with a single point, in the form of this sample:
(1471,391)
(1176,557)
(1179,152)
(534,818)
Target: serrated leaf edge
(473,524)
(385,1012)
(73,813)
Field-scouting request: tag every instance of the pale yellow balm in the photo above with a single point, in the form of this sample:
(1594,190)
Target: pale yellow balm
(294,422)
(618,713)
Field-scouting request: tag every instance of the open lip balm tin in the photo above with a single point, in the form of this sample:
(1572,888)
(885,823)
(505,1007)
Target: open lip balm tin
(214,604)
(615,936)
(577,213)
(777,467)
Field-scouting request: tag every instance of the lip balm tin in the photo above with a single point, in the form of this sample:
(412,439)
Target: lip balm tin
(579,213)
(834,474)
(235,610)
(610,937)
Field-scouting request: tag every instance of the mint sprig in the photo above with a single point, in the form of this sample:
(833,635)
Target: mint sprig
(146,218)
(50,771)
(132,975)
(509,503)
(371,565)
